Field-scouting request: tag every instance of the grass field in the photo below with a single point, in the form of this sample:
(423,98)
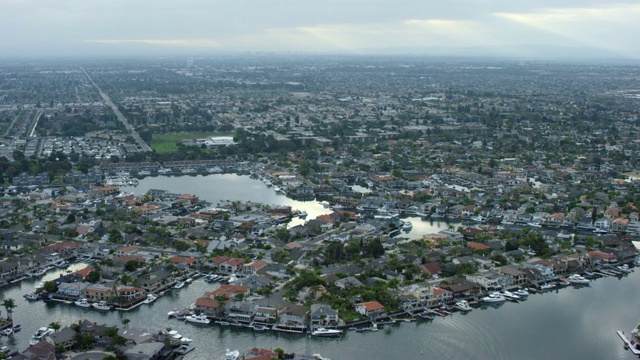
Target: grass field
(166,143)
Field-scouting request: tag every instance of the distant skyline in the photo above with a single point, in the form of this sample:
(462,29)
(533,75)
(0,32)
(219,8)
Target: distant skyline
(542,29)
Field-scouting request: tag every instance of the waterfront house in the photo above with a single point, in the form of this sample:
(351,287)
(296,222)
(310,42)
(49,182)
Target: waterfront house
(135,336)
(9,269)
(97,292)
(71,291)
(293,317)
(240,311)
(265,314)
(487,280)
(370,309)
(601,257)
(208,306)
(155,281)
(516,276)
(460,288)
(65,338)
(228,291)
(323,315)
(127,295)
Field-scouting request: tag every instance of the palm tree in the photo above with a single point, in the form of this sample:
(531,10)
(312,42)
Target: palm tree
(55,326)
(9,304)
(125,322)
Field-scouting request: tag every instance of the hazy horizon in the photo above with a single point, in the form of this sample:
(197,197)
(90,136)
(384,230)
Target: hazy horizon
(481,28)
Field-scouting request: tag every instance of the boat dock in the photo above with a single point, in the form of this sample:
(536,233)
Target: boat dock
(627,342)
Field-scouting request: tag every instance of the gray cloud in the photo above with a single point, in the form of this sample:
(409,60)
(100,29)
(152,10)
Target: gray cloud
(63,27)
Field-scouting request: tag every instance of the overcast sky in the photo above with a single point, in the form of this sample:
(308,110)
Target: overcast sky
(139,27)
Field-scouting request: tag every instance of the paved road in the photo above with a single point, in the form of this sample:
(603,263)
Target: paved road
(142,145)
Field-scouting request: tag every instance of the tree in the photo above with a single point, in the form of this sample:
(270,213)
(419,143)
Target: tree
(50,287)
(131,265)
(93,277)
(9,304)
(125,322)
(55,326)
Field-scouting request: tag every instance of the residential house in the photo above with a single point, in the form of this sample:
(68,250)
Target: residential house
(71,291)
(293,317)
(265,314)
(517,277)
(64,338)
(240,311)
(323,315)
(370,309)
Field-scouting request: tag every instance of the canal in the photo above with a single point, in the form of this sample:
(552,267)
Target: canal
(569,323)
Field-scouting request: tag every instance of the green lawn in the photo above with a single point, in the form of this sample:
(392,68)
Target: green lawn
(166,143)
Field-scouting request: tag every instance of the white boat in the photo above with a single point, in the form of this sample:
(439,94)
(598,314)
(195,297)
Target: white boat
(624,268)
(82,303)
(150,298)
(463,305)
(547,286)
(178,285)
(173,313)
(302,214)
(577,279)
(407,225)
(232,355)
(62,264)
(102,305)
(42,333)
(521,292)
(7,332)
(494,297)
(189,280)
(198,319)
(185,340)
(326,332)
(509,295)
(260,328)
(40,285)
(31,296)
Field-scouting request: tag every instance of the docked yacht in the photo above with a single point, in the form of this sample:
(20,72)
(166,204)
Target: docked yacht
(326,332)
(463,305)
(232,355)
(407,225)
(198,319)
(178,285)
(547,286)
(509,295)
(102,305)
(494,297)
(31,296)
(521,292)
(42,333)
(82,303)
(150,298)
(577,279)
(624,268)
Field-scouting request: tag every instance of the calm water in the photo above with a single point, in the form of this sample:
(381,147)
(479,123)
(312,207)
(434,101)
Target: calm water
(220,187)
(570,323)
